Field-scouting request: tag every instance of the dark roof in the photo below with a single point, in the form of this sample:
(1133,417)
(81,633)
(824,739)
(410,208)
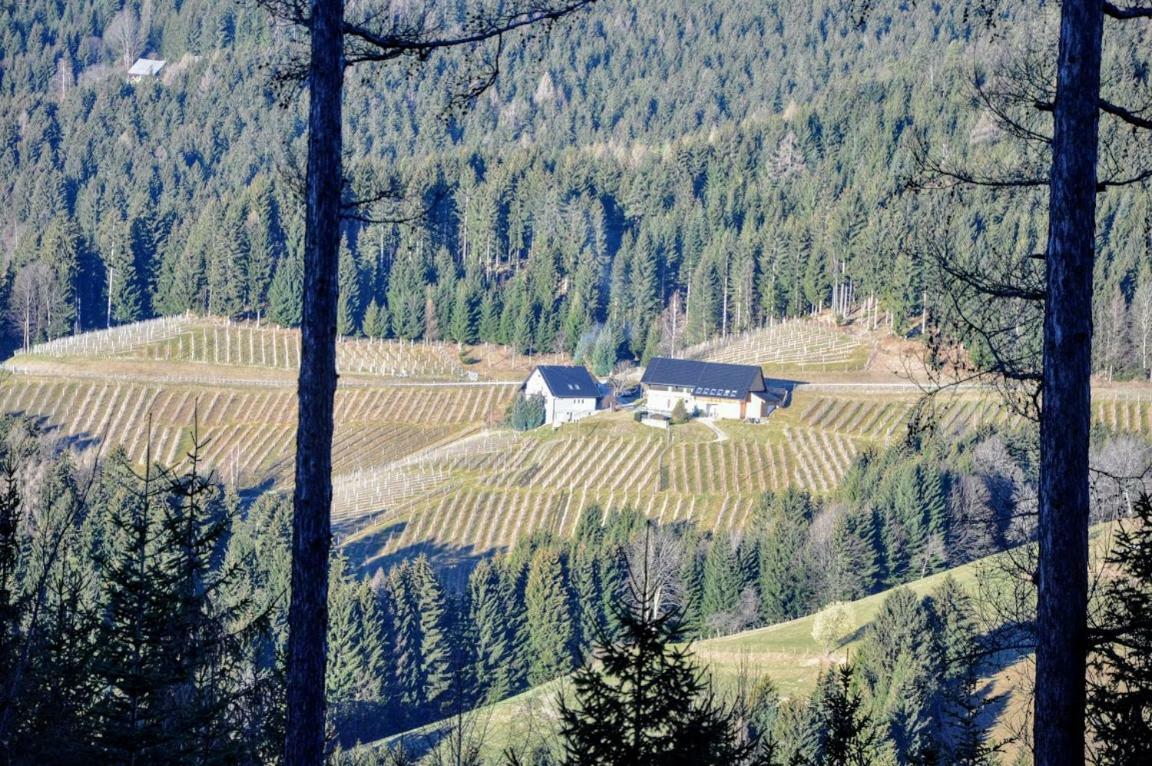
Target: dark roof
(726,381)
(569,382)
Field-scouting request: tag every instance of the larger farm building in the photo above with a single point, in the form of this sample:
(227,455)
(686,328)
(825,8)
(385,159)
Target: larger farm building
(729,391)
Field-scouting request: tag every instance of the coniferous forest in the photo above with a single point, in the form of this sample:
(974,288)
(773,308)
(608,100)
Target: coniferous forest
(727,163)
(603,182)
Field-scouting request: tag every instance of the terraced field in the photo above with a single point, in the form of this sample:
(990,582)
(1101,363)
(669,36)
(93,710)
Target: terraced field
(488,497)
(799,343)
(421,464)
(249,431)
(223,343)
(501,486)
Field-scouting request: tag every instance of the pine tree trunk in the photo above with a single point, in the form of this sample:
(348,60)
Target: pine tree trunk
(1065,416)
(312,500)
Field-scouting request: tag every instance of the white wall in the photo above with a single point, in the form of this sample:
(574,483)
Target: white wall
(558,410)
(664,401)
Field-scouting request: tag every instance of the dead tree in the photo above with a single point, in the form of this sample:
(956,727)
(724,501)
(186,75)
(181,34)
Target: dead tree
(371,33)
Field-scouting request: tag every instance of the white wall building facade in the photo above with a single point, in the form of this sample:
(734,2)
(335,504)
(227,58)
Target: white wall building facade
(570,393)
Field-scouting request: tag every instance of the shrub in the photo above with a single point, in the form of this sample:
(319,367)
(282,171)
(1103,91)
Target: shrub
(679,413)
(525,412)
(832,626)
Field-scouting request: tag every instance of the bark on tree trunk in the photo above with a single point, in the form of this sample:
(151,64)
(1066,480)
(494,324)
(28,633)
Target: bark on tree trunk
(312,499)
(1064,420)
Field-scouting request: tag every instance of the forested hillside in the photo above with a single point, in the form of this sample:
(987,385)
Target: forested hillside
(644,177)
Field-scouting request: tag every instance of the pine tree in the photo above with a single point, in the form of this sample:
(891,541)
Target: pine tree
(550,620)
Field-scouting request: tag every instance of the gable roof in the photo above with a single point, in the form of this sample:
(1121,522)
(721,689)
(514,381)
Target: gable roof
(146,67)
(725,381)
(566,382)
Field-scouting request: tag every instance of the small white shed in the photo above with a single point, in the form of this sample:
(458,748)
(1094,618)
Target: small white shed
(570,392)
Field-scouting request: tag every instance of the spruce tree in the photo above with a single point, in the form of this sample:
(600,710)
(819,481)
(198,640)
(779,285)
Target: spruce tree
(348,301)
(551,633)
(721,583)
(513,579)
(963,705)
(465,312)
(845,733)
(133,660)
(587,596)
(344,671)
(784,571)
(436,669)
(286,292)
(375,320)
(489,633)
(644,703)
(404,618)
(900,669)
(1120,686)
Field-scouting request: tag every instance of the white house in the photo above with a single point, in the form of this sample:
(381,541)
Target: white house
(730,391)
(570,393)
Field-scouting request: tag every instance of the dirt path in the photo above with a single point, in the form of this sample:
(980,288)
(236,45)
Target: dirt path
(721,434)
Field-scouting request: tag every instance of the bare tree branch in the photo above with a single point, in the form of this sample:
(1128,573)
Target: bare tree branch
(1125,13)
